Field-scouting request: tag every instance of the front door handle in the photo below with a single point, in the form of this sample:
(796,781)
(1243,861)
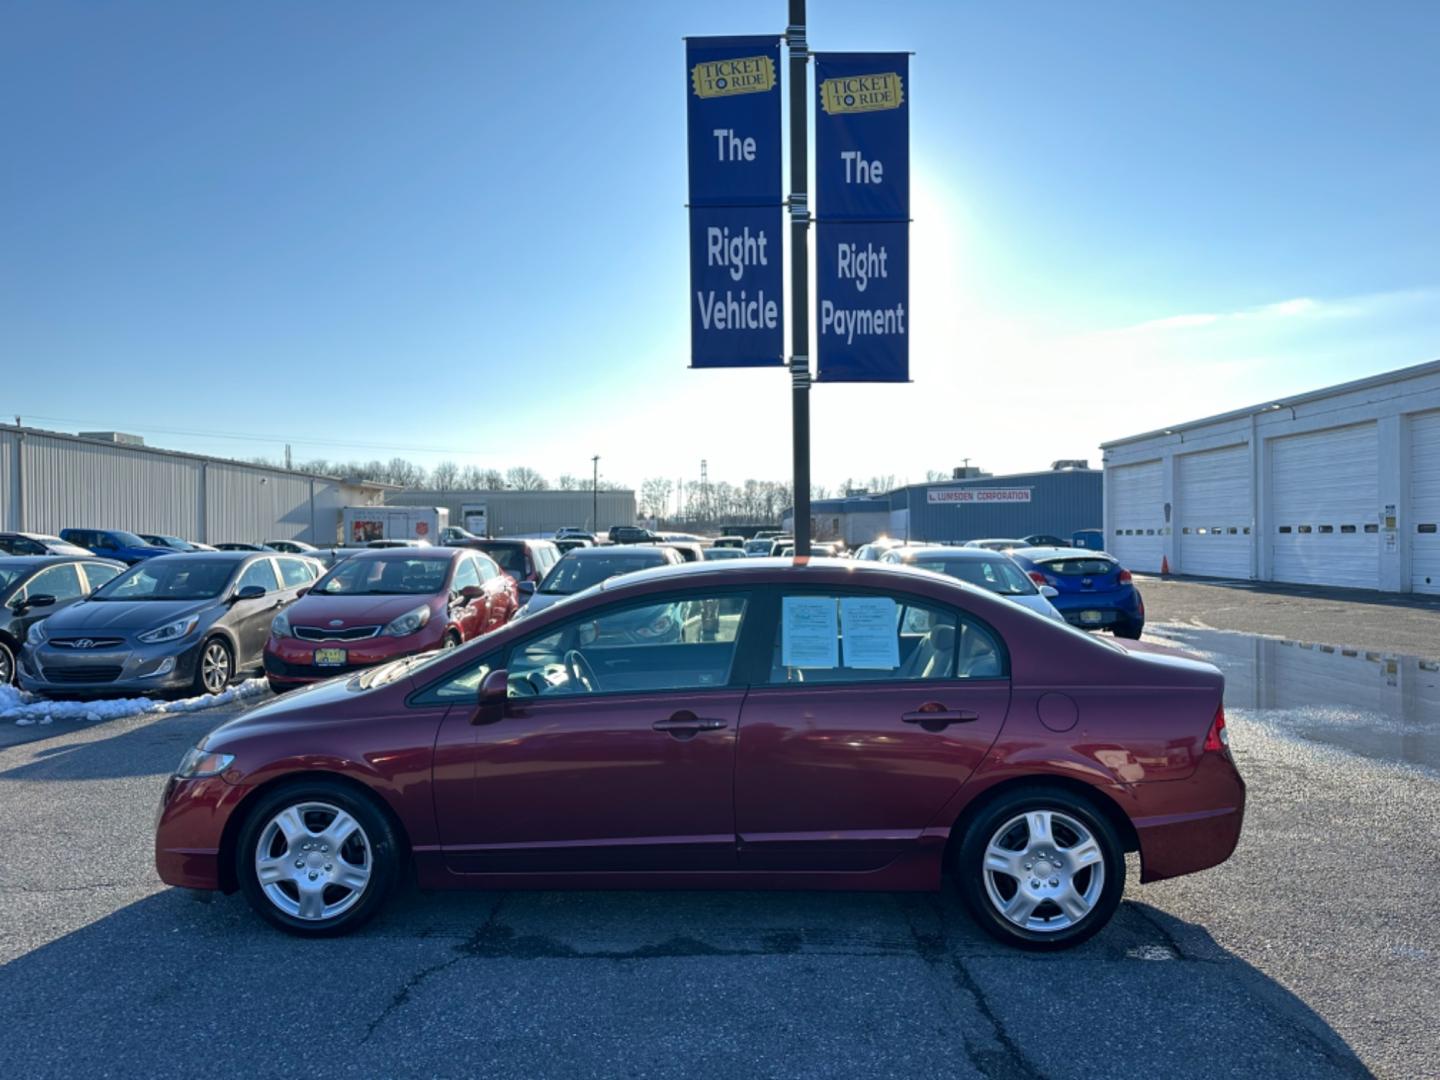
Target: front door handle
(932,716)
(685,724)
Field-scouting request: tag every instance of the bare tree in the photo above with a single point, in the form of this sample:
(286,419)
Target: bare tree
(566,482)
(491,480)
(445,476)
(655,496)
(524,478)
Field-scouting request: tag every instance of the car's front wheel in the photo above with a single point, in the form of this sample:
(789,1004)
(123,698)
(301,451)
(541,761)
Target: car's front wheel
(316,858)
(7,665)
(1041,868)
(214,667)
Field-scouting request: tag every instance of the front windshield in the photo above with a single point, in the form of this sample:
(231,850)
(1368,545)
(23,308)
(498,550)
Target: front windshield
(357,576)
(571,575)
(758,546)
(175,577)
(128,539)
(999,576)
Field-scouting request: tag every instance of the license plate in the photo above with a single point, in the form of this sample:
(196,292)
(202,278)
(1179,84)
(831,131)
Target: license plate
(1085,617)
(330,657)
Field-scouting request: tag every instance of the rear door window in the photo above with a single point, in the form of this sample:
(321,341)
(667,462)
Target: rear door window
(99,573)
(294,573)
(871,637)
(259,572)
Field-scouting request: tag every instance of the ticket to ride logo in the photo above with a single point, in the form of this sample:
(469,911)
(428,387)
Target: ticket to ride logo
(735,75)
(862,93)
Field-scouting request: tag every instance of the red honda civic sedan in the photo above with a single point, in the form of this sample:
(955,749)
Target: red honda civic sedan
(800,724)
(384,604)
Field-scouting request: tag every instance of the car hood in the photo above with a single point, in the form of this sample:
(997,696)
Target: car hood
(90,616)
(352,610)
(317,705)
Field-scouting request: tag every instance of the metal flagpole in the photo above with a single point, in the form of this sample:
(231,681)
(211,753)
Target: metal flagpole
(799,271)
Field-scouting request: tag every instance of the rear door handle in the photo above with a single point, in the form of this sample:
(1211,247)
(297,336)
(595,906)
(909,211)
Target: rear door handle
(685,724)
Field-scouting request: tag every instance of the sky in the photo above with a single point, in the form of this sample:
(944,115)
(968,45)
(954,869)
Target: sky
(450,230)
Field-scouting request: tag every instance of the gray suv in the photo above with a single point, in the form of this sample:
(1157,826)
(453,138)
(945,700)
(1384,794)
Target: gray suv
(186,622)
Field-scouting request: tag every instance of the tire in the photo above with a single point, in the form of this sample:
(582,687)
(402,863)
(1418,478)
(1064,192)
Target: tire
(212,679)
(7,665)
(450,641)
(1129,630)
(345,878)
(1001,839)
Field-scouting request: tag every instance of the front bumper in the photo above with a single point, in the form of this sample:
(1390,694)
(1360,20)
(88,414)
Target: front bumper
(190,829)
(122,669)
(291,662)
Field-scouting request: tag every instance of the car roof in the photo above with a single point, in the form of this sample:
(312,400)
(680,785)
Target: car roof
(1062,553)
(932,550)
(611,550)
(786,569)
(424,552)
(23,561)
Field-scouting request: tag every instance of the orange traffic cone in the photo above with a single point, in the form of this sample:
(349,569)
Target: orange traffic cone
(1164,566)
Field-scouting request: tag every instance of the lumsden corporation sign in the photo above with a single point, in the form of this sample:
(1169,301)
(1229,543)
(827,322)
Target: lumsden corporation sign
(978,495)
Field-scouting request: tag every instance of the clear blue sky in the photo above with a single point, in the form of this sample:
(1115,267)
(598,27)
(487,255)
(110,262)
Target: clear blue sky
(460,226)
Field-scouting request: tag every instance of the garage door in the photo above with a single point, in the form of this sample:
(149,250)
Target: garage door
(1212,513)
(1135,531)
(1424,512)
(1325,489)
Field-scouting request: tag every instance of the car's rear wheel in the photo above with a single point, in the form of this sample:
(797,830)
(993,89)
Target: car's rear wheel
(1130,630)
(451,641)
(1041,868)
(7,664)
(214,667)
(316,858)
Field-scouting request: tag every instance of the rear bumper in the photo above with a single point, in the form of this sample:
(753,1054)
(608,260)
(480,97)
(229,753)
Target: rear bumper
(1191,824)
(1113,606)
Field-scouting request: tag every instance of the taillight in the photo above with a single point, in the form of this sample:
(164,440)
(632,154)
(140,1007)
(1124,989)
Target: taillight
(1218,738)
(1038,578)
(1123,578)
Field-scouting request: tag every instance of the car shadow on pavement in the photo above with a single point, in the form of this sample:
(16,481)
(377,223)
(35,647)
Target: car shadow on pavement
(646,983)
(151,746)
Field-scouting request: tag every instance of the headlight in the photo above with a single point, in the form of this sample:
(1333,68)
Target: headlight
(280,625)
(409,622)
(36,634)
(198,762)
(172,631)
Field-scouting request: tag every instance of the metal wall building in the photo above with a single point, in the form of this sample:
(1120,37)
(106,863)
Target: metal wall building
(51,481)
(1056,501)
(529,513)
(1339,486)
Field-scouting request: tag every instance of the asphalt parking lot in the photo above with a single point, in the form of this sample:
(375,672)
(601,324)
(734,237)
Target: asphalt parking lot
(1310,953)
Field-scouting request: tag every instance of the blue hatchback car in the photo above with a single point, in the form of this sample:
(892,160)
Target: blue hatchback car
(1094,591)
(113,544)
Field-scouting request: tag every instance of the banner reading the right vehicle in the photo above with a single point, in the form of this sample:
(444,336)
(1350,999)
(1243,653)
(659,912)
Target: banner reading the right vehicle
(862,210)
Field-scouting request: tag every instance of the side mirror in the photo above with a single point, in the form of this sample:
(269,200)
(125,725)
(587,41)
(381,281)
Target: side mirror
(527,589)
(249,592)
(1049,592)
(301,592)
(40,600)
(490,701)
(472,592)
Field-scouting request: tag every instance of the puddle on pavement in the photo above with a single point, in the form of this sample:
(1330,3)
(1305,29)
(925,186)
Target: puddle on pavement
(1379,705)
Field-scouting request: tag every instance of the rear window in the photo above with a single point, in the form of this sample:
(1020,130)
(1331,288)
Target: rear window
(1080,567)
(509,557)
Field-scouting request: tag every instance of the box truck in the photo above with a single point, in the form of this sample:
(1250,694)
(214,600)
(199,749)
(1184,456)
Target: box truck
(361,524)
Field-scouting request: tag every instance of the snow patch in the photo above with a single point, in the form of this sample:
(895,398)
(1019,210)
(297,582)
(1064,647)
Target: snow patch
(26,709)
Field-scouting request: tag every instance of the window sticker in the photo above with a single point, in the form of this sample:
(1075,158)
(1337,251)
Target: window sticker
(867,628)
(807,632)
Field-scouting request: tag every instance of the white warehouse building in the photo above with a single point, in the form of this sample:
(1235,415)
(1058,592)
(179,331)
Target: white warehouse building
(1333,487)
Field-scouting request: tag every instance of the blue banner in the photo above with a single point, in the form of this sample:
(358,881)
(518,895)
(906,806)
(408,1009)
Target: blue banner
(862,171)
(732,90)
(862,136)
(732,93)
(863,273)
(736,286)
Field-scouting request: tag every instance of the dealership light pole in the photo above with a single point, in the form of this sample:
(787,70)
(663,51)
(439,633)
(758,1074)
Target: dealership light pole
(595,494)
(799,273)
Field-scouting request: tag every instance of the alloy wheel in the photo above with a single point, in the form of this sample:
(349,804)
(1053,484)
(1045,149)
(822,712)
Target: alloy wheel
(313,861)
(1044,871)
(7,667)
(215,667)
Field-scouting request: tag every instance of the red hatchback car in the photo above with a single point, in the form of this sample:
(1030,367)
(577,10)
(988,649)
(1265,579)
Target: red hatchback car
(810,724)
(383,604)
